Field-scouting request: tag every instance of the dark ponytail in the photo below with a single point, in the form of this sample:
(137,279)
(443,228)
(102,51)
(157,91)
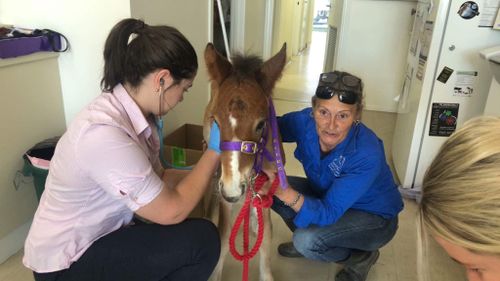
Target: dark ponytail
(134,49)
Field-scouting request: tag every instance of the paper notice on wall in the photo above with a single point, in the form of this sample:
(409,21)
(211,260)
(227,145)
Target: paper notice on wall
(464,86)
(489,13)
(418,26)
(424,50)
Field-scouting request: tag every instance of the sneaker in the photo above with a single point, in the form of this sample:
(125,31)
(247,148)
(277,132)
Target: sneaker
(357,266)
(288,250)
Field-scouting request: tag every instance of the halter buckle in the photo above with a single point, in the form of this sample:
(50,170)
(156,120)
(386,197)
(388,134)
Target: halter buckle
(248,147)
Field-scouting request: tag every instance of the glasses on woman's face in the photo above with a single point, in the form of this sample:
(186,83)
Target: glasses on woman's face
(325,89)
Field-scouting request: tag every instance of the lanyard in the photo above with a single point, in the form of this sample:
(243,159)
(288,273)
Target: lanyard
(163,161)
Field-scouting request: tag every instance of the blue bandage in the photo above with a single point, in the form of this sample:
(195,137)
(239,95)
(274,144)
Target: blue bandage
(214,141)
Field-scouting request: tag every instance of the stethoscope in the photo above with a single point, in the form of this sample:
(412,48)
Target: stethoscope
(158,118)
(159,127)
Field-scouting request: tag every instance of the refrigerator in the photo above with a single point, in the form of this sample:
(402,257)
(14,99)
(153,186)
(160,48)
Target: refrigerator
(446,82)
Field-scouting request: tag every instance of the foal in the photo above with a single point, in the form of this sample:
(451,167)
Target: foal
(239,103)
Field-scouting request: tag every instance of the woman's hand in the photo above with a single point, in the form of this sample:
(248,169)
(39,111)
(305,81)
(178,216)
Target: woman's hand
(288,195)
(267,185)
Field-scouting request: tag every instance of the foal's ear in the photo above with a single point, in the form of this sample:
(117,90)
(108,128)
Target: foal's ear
(271,70)
(218,66)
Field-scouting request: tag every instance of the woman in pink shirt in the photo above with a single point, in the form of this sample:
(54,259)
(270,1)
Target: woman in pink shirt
(106,168)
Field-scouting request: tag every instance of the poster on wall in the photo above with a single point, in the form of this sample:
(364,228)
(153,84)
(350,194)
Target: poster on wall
(443,119)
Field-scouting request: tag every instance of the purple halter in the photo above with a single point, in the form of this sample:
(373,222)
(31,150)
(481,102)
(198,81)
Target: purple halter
(259,148)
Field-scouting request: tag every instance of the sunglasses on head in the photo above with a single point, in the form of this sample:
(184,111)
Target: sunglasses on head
(346,79)
(326,90)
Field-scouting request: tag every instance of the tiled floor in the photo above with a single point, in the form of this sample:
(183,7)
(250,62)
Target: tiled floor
(397,261)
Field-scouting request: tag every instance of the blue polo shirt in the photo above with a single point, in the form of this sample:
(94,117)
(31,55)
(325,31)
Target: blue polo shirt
(353,175)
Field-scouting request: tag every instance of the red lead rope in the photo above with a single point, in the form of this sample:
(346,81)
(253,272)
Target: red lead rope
(259,202)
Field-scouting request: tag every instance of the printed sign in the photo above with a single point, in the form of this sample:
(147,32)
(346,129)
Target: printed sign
(424,51)
(464,86)
(443,119)
(445,74)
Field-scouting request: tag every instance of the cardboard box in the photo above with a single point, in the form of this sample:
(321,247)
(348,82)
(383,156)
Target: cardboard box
(184,146)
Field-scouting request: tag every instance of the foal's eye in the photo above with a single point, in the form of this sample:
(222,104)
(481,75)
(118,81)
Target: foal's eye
(260,126)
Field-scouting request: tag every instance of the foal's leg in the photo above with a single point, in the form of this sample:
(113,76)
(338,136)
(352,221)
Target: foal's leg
(224,231)
(265,248)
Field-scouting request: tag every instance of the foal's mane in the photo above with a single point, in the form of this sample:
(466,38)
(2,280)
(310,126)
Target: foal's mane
(246,67)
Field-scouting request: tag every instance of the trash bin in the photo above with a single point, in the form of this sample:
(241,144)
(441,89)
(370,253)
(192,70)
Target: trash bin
(36,163)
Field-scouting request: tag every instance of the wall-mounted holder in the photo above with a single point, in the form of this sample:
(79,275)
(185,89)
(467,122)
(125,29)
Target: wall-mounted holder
(492,55)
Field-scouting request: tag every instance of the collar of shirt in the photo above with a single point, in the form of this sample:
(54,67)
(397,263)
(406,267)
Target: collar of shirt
(139,122)
(350,141)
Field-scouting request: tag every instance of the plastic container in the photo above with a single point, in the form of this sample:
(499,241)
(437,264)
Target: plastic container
(39,177)
(36,163)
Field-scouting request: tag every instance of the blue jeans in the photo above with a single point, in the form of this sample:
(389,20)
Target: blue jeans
(356,230)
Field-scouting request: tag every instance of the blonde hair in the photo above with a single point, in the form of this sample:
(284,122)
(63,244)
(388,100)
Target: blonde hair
(461,189)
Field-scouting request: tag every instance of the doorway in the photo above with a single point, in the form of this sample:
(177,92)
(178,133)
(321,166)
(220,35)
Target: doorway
(221,21)
(300,78)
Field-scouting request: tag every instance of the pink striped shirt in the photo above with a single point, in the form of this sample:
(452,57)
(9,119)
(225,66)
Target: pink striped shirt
(105,167)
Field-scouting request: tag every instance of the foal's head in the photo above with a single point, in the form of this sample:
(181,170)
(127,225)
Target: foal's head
(241,92)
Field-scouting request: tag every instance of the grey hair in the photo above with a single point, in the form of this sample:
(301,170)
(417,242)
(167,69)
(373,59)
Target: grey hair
(339,85)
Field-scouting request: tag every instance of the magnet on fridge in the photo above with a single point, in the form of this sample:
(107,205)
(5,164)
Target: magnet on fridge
(468,10)
(445,74)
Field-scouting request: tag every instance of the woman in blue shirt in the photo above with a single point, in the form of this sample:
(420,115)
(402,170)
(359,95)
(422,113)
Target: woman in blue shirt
(347,206)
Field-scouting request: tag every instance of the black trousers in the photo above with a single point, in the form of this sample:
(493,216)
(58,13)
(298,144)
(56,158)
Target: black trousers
(147,252)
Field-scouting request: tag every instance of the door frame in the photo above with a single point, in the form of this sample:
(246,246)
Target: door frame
(237,44)
(268,30)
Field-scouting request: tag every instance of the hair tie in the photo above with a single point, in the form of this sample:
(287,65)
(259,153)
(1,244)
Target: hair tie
(131,37)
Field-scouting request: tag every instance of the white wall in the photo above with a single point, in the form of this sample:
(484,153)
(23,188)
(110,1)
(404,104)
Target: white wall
(493,100)
(373,44)
(282,26)
(86,25)
(193,19)
(31,110)
(255,12)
